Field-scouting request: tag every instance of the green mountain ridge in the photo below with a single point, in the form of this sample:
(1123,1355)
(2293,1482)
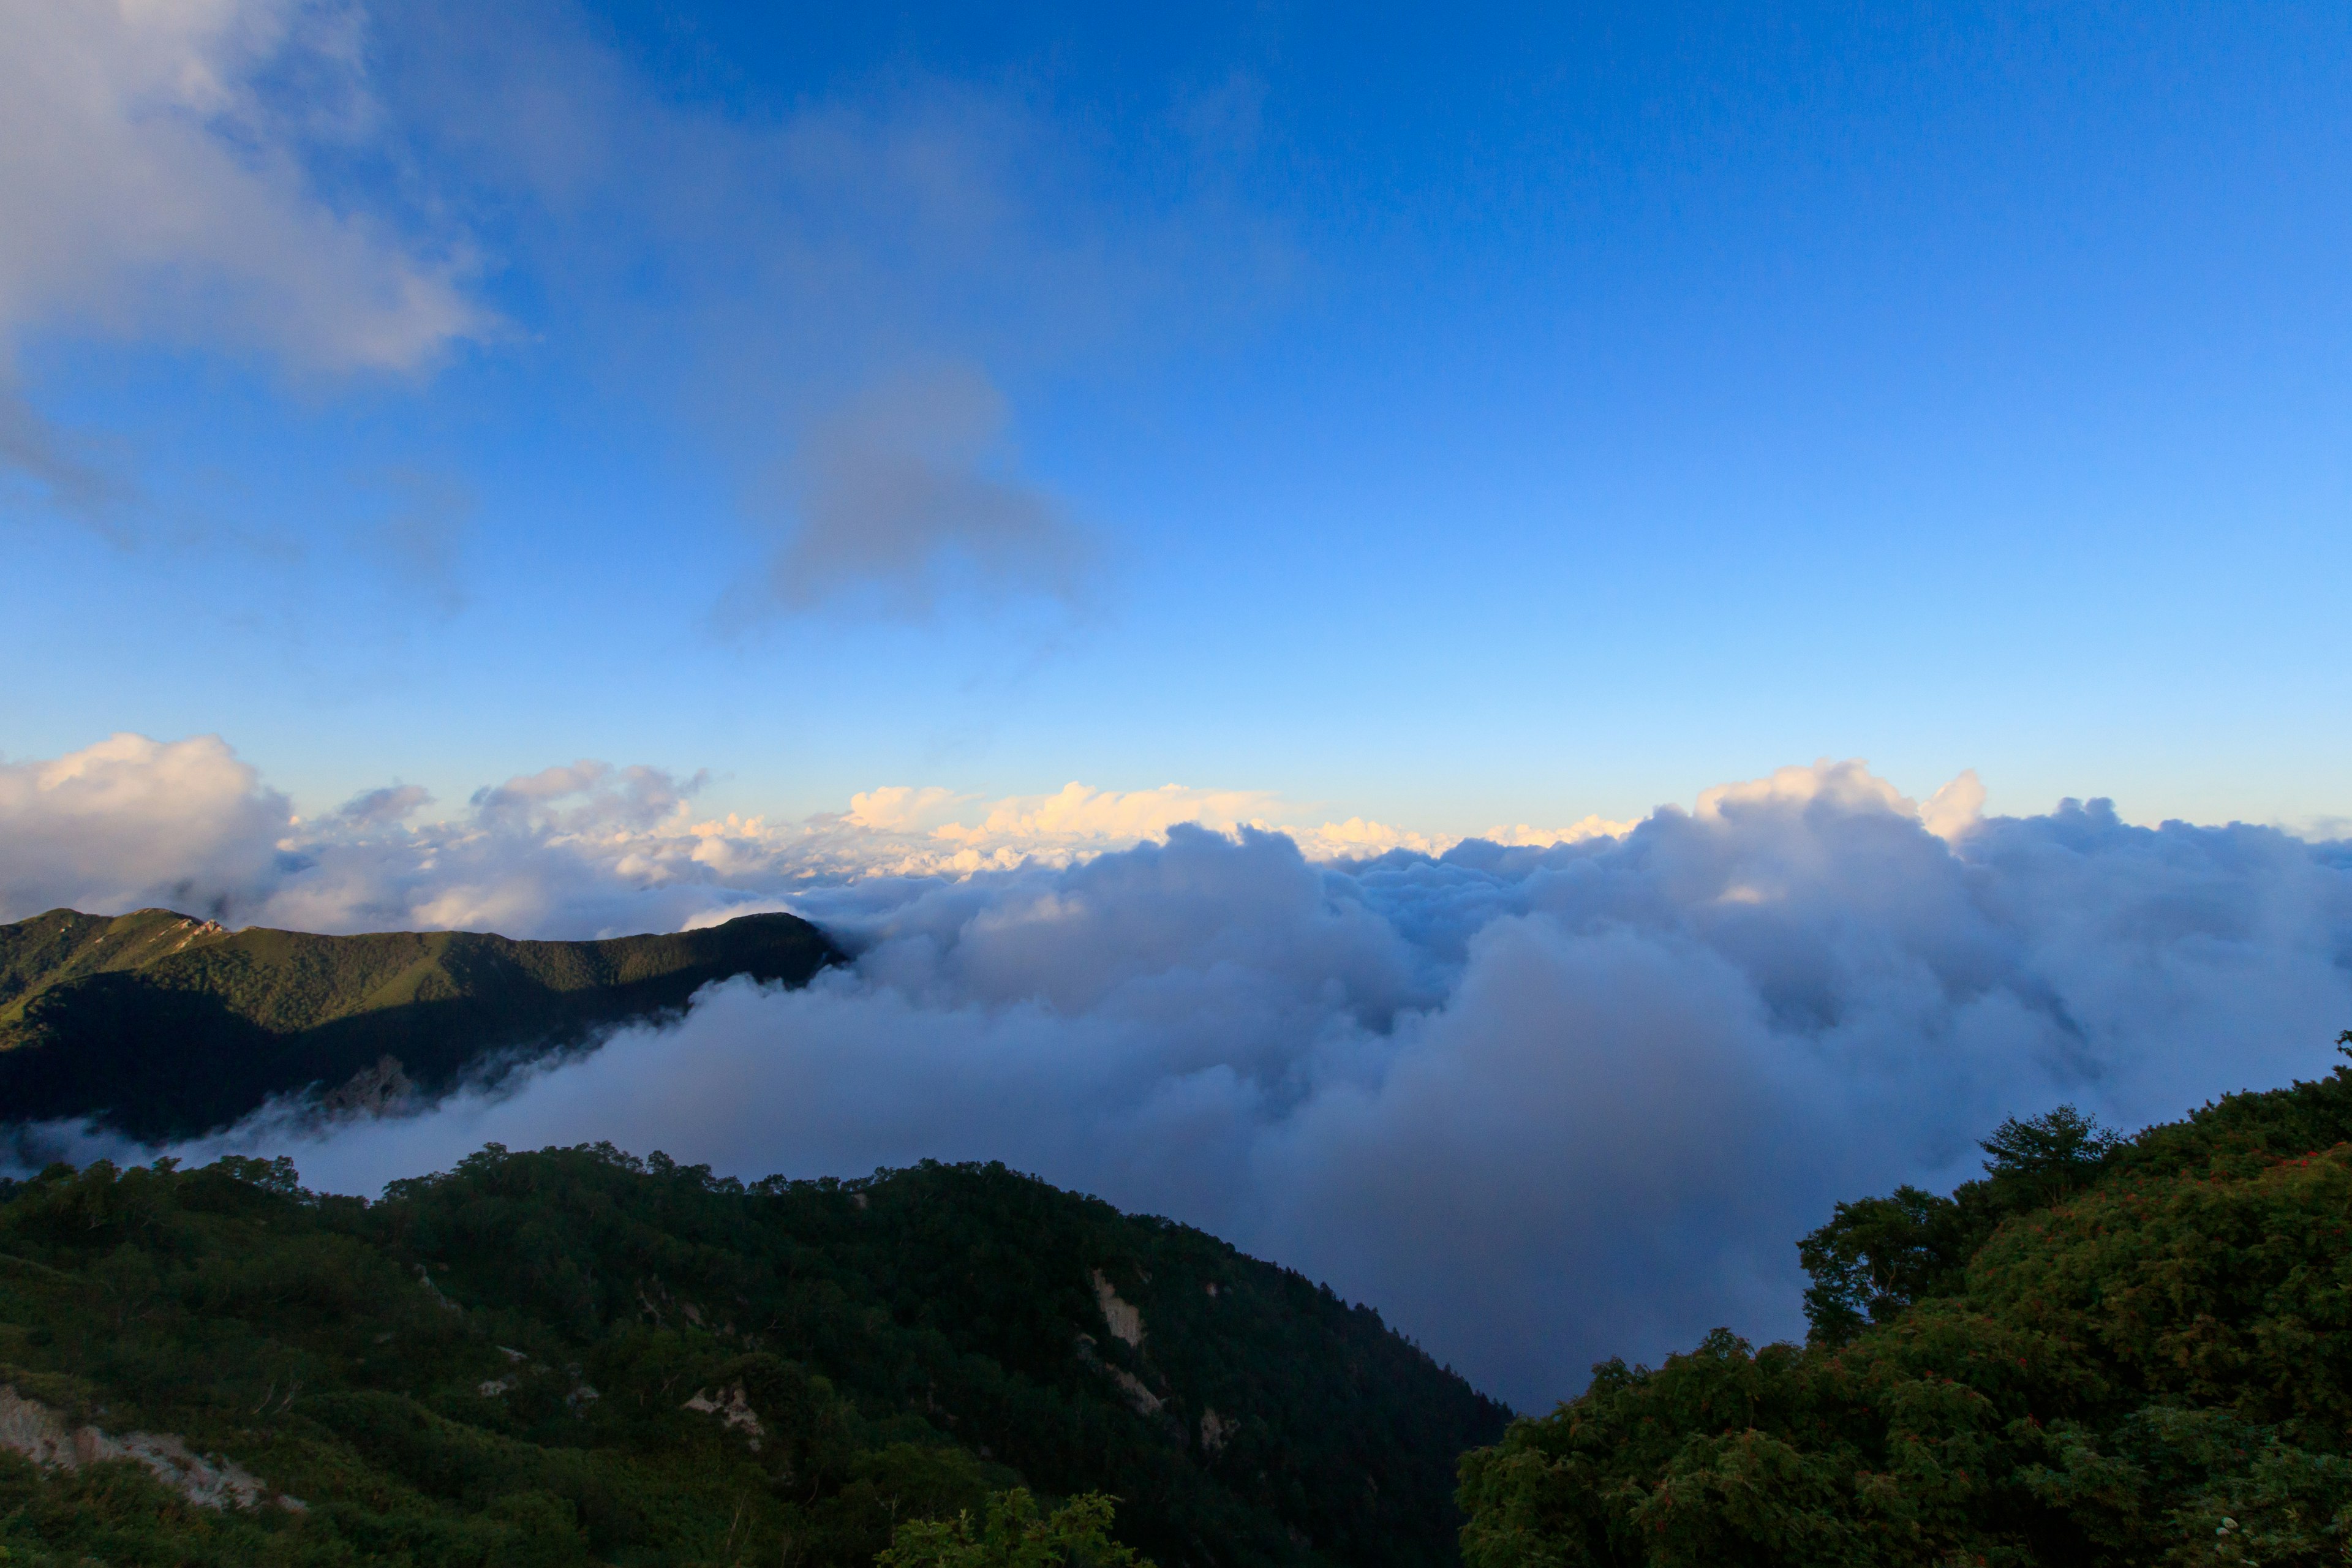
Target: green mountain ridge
(573,1357)
(2106,1353)
(162,1026)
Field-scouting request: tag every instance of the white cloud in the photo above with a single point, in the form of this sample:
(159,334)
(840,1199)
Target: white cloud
(131,822)
(849,287)
(171,193)
(1954,810)
(1081,818)
(159,189)
(901,808)
(382,808)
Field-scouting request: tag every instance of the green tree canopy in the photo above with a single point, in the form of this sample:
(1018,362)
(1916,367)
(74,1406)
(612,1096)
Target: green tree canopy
(2105,1352)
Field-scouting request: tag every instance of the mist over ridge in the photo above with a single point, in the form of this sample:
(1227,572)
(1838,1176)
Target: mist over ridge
(1538,1104)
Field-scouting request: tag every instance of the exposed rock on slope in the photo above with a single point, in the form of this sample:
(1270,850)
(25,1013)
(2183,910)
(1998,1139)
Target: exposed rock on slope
(31,1429)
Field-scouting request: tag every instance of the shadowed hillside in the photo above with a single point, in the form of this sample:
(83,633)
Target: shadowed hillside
(571,1356)
(163,1026)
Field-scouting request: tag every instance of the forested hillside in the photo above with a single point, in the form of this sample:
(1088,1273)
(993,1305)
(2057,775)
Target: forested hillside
(570,1357)
(2107,1351)
(163,1026)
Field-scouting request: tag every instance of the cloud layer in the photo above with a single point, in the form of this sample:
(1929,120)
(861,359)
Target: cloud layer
(1540,1104)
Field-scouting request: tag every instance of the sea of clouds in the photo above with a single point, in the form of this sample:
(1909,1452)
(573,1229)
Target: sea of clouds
(1539,1102)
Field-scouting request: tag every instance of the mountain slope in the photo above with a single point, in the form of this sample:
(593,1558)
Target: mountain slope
(2105,1352)
(163,1026)
(571,1356)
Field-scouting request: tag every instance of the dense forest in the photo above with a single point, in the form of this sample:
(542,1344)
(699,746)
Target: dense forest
(2104,1352)
(573,1357)
(163,1026)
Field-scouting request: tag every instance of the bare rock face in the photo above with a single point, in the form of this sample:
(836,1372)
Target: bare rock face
(382,1089)
(1138,1393)
(730,1405)
(31,1429)
(1124,1319)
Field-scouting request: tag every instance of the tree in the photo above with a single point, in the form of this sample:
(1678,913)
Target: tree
(1016,1535)
(1877,1255)
(2042,1160)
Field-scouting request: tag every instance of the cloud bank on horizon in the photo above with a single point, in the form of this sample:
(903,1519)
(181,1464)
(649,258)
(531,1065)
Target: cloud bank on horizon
(1541,1103)
(581,849)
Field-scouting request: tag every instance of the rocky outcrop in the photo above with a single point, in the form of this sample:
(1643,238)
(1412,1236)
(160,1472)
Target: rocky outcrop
(384,1089)
(31,1429)
(730,1405)
(1124,1319)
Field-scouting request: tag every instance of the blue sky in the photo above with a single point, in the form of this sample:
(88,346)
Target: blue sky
(1453,419)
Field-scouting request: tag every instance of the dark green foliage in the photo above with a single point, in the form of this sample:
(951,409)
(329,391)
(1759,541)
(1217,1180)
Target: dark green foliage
(573,1357)
(1877,1255)
(1016,1535)
(2103,1353)
(2040,1160)
(163,1026)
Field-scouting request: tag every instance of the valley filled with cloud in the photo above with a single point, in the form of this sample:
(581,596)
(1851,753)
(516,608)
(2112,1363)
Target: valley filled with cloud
(1540,1102)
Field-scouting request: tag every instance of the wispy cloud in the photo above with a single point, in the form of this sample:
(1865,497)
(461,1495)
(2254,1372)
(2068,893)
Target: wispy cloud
(834,303)
(911,492)
(170,152)
(847,296)
(419,539)
(382,807)
(174,196)
(74,476)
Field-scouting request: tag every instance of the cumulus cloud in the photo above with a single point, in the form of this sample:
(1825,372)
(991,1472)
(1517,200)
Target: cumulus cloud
(131,822)
(581,848)
(587,797)
(1541,1103)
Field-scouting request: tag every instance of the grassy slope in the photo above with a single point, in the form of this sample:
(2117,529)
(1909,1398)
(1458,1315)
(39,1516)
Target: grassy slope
(166,1026)
(907,1342)
(2152,1366)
